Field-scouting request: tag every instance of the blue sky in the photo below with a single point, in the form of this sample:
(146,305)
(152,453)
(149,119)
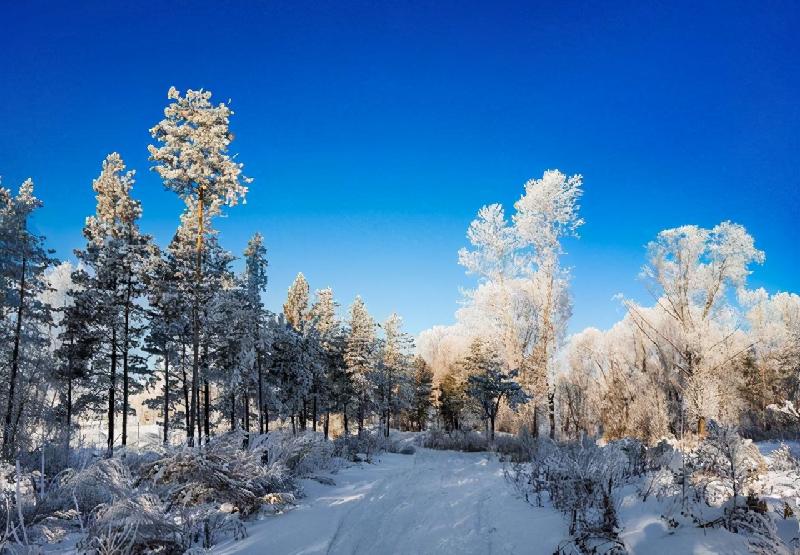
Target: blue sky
(375,130)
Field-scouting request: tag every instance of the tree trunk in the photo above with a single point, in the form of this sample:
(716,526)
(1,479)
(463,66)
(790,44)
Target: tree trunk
(186,405)
(125,345)
(246,416)
(69,411)
(194,412)
(326,424)
(166,397)
(260,394)
(491,429)
(207,408)
(314,413)
(112,390)
(8,441)
(344,419)
(233,411)
(551,411)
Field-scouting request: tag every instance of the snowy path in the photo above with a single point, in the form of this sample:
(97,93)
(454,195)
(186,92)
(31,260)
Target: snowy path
(431,502)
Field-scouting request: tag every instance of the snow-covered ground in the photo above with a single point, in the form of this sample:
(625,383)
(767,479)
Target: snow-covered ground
(430,502)
(451,502)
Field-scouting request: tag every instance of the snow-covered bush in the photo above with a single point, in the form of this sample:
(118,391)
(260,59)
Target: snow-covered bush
(137,524)
(724,464)
(220,472)
(783,460)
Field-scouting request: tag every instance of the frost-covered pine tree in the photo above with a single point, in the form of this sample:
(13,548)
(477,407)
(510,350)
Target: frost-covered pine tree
(489,383)
(255,282)
(296,306)
(114,259)
(24,261)
(334,386)
(392,377)
(359,357)
(423,393)
(194,162)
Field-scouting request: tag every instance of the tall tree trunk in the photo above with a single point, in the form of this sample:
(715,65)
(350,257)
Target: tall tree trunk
(246,415)
(233,411)
(207,407)
(344,419)
(551,405)
(195,410)
(314,412)
(185,381)
(326,424)
(125,344)
(166,396)
(69,412)
(112,391)
(260,394)
(8,440)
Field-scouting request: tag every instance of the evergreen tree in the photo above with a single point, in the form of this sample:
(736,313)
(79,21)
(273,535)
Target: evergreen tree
(296,306)
(114,256)
(23,262)
(194,162)
(490,384)
(423,392)
(255,282)
(359,358)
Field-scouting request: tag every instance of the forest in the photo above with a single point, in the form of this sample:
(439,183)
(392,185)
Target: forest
(678,409)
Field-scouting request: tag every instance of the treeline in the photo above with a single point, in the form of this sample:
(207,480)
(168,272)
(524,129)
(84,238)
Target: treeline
(706,346)
(178,322)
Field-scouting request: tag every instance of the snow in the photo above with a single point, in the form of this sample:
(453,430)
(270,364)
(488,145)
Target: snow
(429,502)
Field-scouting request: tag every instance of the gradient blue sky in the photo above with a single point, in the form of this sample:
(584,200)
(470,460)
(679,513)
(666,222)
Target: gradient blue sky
(375,130)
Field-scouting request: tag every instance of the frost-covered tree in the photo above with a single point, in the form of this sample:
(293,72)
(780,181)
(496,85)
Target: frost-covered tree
(359,357)
(693,325)
(255,282)
(114,259)
(194,162)
(24,261)
(522,305)
(392,377)
(296,306)
(422,400)
(489,383)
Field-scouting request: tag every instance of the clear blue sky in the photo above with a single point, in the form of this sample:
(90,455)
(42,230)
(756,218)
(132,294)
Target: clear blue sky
(375,130)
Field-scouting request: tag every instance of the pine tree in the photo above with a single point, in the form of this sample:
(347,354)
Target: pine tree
(194,163)
(490,384)
(255,282)
(332,382)
(295,309)
(393,376)
(115,255)
(423,393)
(296,306)
(23,261)
(359,358)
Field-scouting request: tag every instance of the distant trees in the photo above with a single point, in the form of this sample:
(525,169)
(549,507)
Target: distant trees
(181,324)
